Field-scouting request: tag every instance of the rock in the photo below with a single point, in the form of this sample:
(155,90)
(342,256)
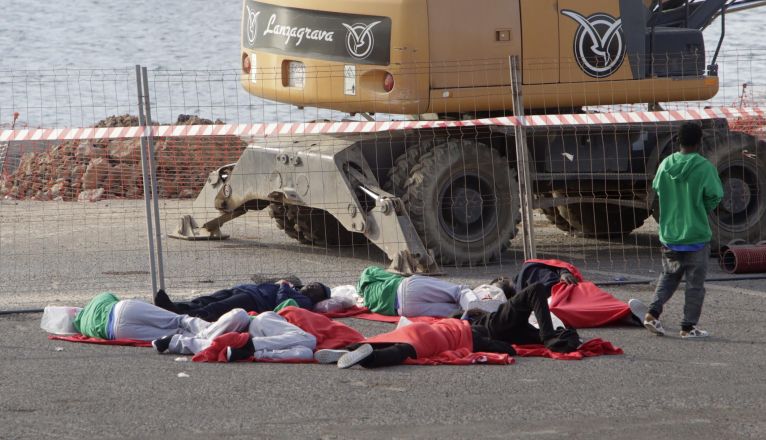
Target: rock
(57,189)
(95,174)
(87,151)
(125,150)
(118,121)
(91,195)
(77,170)
(124,180)
(187,194)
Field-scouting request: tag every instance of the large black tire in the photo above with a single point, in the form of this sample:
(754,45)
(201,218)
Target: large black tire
(312,226)
(462,198)
(320,228)
(741,163)
(602,220)
(403,165)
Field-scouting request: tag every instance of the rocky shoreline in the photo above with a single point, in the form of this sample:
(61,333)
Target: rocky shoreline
(92,170)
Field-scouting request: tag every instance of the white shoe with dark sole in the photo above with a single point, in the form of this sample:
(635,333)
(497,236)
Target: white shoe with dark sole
(328,356)
(638,309)
(654,325)
(695,333)
(354,357)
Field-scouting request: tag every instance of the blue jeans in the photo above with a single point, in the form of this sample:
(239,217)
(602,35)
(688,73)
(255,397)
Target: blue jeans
(674,266)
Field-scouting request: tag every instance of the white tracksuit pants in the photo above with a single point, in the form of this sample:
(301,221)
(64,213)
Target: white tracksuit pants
(427,296)
(273,338)
(133,319)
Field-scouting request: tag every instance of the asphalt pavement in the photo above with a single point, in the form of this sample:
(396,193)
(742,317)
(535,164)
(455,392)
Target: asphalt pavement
(662,387)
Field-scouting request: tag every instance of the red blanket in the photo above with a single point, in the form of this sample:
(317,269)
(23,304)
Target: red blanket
(593,347)
(585,305)
(430,339)
(329,333)
(89,340)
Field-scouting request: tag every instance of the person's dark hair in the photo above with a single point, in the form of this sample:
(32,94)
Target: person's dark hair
(690,135)
(506,285)
(316,292)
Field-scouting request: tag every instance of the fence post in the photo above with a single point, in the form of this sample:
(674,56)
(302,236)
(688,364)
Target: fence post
(152,156)
(148,183)
(522,161)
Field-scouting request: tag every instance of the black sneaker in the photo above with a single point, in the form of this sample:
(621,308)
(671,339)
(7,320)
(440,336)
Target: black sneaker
(162,300)
(162,344)
(240,354)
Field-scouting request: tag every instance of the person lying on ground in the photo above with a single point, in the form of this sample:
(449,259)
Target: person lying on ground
(270,337)
(480,332)
(390,294)
(580,297)
(108,317)
(257,298)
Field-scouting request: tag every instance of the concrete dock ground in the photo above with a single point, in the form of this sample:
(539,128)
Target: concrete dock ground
(661,387)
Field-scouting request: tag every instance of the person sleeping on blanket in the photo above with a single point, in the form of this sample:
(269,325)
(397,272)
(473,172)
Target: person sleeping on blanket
(480,332)
(262,297)
(270,336)
(390,294)
(108,317)
(578,303)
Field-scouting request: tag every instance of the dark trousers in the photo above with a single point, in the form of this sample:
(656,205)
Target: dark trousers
(213,306)
(674,266)
(386,356)
(511,321)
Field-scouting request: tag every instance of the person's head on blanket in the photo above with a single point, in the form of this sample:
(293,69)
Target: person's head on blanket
(317,292)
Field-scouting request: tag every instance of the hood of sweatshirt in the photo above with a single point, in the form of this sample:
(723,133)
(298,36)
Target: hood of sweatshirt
(680,166)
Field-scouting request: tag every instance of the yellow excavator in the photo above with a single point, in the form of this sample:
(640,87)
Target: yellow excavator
(451,196)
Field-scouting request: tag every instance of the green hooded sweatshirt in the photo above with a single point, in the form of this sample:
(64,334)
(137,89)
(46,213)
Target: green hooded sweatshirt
(378,288)
(688,188)
(94,318)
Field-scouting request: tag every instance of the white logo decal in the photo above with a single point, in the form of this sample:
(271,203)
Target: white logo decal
(299,33)
(598,45)
(359,39)
(252,24)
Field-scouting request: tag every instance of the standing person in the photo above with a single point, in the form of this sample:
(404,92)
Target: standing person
(688,189)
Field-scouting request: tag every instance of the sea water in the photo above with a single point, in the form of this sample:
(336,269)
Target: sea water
(202,37)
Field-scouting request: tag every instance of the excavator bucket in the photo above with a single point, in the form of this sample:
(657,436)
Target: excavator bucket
(314,176)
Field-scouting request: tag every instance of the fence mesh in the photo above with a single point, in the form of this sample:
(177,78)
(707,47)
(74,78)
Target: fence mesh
(312,199)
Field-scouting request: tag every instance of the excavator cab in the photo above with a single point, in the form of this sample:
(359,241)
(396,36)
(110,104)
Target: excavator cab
(438,56)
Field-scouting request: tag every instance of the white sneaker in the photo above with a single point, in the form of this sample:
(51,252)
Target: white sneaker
(328,356)
(653,325)
(694,333)
(354,357)
(638,308)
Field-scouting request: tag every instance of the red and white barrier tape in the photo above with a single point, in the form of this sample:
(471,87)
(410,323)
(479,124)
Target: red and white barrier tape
(295,128)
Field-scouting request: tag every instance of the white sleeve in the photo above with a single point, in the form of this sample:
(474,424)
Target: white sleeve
(272,332)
